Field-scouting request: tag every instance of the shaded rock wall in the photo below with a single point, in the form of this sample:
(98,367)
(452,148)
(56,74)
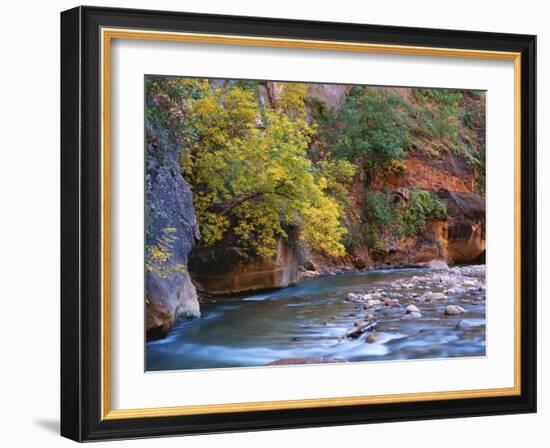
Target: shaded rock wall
(428,175)
(169,294)
(465,226)
(333,94)
(231,270)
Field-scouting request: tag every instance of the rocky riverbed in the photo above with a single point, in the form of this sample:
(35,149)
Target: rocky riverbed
(405,314)
(444,292)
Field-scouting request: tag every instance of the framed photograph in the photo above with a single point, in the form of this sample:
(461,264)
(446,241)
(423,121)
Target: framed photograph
(272,223)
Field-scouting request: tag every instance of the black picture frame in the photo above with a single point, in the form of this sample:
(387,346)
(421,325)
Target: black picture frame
(81,224)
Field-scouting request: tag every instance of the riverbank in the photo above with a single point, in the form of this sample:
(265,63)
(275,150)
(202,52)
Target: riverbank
(377,315)
(346,269)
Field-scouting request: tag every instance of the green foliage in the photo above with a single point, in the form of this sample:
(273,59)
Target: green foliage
(421,207)
(319,107)
(371,125)
(248,168)
(379,210)
(480,181)
(475,160)
(440,112)
(388,219)
(159,253)
(467,118)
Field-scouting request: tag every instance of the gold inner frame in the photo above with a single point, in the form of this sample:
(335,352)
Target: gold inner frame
(107,35)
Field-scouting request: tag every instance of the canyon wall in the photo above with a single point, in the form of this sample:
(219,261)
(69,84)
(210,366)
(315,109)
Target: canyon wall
(171,233)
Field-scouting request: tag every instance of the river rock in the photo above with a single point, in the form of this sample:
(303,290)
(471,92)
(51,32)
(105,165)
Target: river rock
(433,296)
(469,323)
(371,338)
(392,303)
(298,361)
(437,264)
(471,283)
(412,309)
(452,310)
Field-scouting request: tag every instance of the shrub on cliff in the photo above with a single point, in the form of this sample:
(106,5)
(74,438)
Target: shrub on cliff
(386,218)
(440,112)
(371,125)
(422,207)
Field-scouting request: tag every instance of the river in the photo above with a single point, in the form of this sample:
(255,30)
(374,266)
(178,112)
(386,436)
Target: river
(313,318)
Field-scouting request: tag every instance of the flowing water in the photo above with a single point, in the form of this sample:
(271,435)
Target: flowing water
(312,318)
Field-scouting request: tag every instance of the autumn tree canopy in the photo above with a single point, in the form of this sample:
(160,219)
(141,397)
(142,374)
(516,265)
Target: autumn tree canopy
(247,166)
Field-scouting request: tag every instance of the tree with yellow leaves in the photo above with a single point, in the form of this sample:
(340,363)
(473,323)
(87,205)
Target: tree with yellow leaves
(248,169)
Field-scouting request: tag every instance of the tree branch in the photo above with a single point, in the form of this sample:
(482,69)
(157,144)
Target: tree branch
(226,208)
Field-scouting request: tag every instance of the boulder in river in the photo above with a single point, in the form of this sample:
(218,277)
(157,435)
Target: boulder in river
(453,310)
(371,338)
(465,324)
(310,274)
(433,296)
(412,309)
(437,264)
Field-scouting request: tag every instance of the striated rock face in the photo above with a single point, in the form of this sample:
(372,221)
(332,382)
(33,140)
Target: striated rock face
(171,224)
(427,175)
(230,270)
(465,226)
(332,94)
(417,250)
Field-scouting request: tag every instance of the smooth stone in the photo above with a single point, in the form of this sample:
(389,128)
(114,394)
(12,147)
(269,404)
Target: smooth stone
(437,264)
(412,309)
(371,338)
(453,310)
(431,296)
(469,323)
